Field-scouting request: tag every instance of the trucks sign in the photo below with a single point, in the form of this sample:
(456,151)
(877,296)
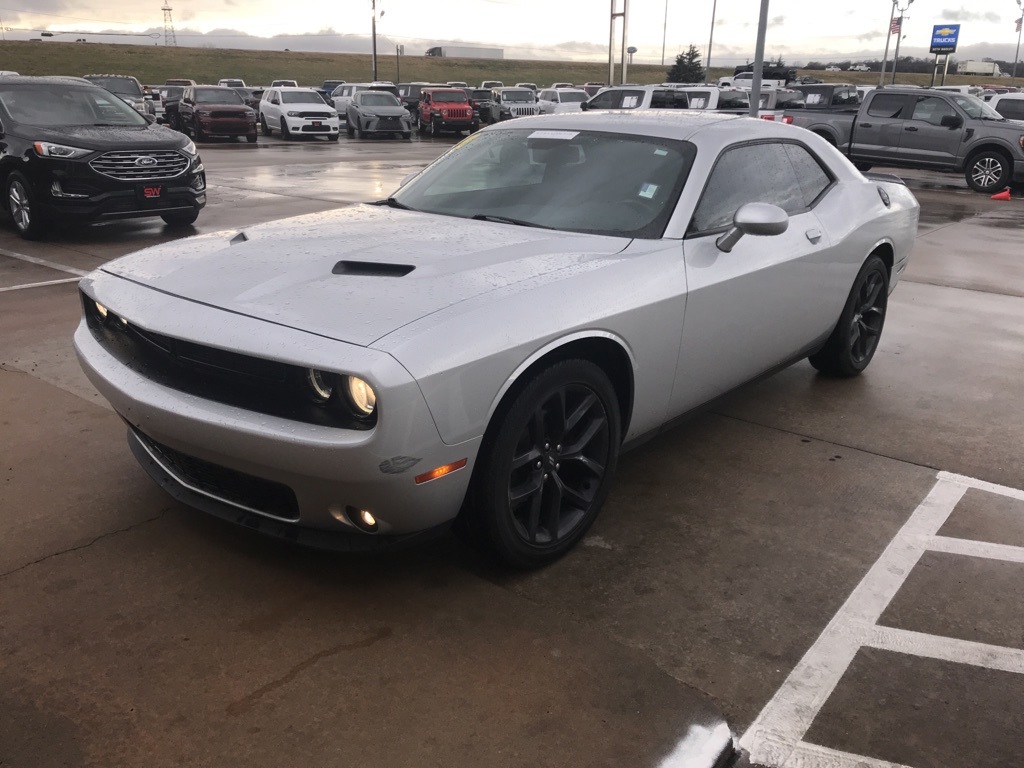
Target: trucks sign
(944,37)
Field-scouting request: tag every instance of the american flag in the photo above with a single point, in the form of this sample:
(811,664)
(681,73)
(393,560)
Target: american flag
(1018,23)
(894,28)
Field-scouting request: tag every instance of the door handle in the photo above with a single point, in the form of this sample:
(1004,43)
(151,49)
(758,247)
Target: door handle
(910,128)
(867,125)
(814,235)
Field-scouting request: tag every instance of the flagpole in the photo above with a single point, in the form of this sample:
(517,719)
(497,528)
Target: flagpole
(899,36)
(888,37)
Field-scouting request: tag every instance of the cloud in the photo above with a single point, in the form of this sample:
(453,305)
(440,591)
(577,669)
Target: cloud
(963,15)
(865,36)
(776,21)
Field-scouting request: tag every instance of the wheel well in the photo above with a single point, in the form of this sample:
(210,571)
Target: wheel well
(885,252)
(827,137)
(988,148)
(606,354)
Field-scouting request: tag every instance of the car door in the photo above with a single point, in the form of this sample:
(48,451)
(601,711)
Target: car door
(546,99)
(876,132)
(770,298)
(925,140)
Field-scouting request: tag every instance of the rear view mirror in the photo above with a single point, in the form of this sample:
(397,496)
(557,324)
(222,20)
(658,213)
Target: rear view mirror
(951,121)
(760,219)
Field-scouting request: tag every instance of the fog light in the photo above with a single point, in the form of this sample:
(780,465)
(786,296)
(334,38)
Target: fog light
(362,519)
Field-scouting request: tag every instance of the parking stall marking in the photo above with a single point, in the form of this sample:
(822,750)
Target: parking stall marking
(40,285)
(43,262)
(775,738)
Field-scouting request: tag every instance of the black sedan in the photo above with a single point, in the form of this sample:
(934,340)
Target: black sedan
(377,112)
(78,153)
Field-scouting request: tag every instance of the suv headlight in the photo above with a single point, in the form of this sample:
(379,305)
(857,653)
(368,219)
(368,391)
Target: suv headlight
(190,148)
(48,149)
(294,114)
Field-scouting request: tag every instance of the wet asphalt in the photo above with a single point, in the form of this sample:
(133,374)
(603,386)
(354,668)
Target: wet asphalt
(137,632)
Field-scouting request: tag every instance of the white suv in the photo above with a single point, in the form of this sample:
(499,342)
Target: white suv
(297,112)
(557,100)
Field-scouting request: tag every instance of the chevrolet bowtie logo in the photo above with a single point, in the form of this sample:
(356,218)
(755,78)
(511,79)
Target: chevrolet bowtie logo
(944,32)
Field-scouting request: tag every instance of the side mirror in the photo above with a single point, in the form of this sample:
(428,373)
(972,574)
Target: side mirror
(275,101)
(951,121)
(754,219)
(584,105)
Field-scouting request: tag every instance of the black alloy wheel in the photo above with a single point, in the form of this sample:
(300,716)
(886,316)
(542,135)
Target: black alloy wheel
(252,137)
(545,473)
(28,219)
(855,338)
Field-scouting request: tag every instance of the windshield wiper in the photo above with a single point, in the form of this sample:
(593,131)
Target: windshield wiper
(391,202)
(507,220)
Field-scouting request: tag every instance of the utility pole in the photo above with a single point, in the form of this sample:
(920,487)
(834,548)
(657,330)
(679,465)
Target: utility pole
(1016,56)
(899,37)
(888,37)
(611,41)
(755,87)
(664,34)
(711,39)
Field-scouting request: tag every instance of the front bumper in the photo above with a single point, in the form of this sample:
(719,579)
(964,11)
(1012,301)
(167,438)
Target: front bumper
(448,124)
(328,469)
(385,124)
(327,125)
(83,195)
(225,126)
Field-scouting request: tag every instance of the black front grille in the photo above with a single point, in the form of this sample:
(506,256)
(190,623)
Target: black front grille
(315,115)
(236,115)
(253,383)
(315,128)
(141,165)
(248,491)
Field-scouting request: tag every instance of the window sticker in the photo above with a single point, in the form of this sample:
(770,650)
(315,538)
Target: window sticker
(565,135)
(648,190)
(630,102)
(698,103)
(661,152)
(814,98)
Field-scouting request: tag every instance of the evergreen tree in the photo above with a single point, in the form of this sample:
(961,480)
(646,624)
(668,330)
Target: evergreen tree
(687,68)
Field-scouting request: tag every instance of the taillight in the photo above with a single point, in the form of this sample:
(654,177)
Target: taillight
(787,119)
(768,117)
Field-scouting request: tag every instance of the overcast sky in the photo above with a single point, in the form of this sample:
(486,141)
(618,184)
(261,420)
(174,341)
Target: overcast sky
(799,29)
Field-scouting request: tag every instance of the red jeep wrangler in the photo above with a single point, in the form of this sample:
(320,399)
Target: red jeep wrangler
(445,109)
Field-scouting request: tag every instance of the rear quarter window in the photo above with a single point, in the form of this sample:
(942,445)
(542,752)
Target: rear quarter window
(886,105)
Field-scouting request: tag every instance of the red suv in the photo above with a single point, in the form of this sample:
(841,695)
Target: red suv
(445,109)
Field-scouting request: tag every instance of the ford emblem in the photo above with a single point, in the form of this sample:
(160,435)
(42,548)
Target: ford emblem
(145,161)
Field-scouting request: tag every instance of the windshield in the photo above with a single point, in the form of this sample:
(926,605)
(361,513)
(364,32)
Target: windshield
(122,86)
(481,95)
(301,97)
(172,92)
(378,100)
(451,98)
(217,96)
(573,98)
(976,108)
(53,106)
(734,100)
(517,96)
(577,181)
(790,100)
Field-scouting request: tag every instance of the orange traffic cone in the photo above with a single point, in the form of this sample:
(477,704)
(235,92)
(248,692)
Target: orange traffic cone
(1004,195)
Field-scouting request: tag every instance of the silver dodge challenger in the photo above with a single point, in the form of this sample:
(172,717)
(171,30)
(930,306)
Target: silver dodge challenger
(480,346)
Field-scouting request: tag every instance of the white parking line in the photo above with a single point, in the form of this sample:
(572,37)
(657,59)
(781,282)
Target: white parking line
(775,738)
(40,285)
(43,262)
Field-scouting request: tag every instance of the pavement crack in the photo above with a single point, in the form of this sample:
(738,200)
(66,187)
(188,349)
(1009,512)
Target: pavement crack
(88,544)
(236,708)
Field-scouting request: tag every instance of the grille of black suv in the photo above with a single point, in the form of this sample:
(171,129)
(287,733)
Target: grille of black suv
(253,493)
(141,165)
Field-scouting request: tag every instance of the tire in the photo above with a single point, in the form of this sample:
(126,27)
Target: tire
(863,167)
(434,130)
(419,125)
(252,138)
(264,127)
(855,338)
(181,219)
(988,171)
(334,137)
(567,414)
(285,133)
(28,220)
(407,135)
(827,137)
(349,131)
(359,131)
(197,131)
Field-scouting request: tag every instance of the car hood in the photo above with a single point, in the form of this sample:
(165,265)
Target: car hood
(105,138)
(356,274)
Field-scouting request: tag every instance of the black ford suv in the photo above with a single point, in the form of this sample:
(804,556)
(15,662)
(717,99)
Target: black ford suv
(71,152)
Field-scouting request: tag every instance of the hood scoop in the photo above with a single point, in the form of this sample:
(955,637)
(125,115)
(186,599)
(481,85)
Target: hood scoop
(371,269)
(241,237)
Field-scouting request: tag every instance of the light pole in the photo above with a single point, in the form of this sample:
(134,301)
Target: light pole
(899,36)
(1020,26)
(888,37)
(373,29)
(664,34)
(711,38)
(755,86)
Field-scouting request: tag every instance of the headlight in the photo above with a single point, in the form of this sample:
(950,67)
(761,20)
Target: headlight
(333,113)
(321,385)
(47,149)
(294,114)
(361,395)
(190,148)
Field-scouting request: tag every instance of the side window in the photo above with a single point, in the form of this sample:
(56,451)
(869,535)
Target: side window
(732,185)
(813,179)
(844,97)
(931,109)
(886,105)
(1011,109)
(606,100)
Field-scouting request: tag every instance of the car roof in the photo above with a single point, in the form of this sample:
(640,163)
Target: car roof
(28,80)
(289,88)
(664,123)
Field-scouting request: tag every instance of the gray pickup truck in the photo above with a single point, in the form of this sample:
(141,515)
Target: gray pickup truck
(921,128)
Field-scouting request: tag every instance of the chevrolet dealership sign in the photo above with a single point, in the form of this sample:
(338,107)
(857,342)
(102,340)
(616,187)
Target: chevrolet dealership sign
(944,37)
